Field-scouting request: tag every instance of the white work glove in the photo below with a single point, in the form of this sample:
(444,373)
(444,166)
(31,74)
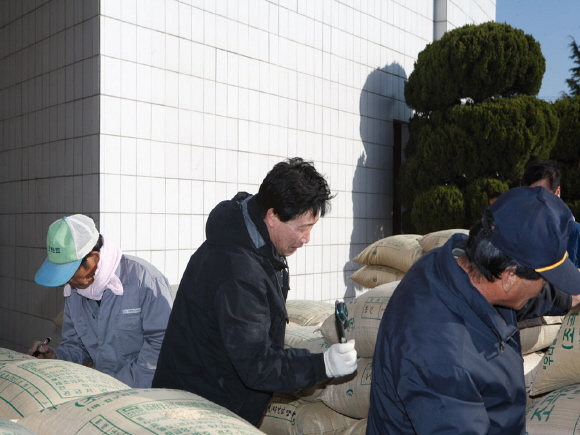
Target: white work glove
(340,359)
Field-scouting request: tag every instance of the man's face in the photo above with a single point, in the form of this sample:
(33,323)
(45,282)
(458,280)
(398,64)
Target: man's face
(287,237)
(85,274)
(524,290)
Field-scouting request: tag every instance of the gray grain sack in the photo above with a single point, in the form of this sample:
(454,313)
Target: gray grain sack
(559,367)
(556,413)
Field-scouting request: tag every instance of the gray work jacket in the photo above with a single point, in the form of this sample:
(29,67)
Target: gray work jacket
(123,335)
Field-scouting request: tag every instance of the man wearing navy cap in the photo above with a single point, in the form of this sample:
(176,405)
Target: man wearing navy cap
(116,306)
(448,353)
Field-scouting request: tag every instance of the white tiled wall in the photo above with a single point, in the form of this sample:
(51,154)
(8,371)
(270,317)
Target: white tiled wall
(49,148)
(147,113)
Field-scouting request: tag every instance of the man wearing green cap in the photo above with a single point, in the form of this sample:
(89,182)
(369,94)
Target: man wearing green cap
(116,306)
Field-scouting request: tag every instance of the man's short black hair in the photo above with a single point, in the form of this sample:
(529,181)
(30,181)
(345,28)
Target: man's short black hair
(488,261)
(294,187)
(539,170)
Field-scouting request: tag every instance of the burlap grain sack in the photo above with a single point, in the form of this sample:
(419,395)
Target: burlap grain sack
(531,361)
(364,317)
(139,411)
(8,427)
(398,252)
(306,337)
(560,366)
(358,428)
(556,413)
(375,275)
(350,395)
(9,356)
(29,386)
(308,313)
(438,238)
(539,337)
(290,416)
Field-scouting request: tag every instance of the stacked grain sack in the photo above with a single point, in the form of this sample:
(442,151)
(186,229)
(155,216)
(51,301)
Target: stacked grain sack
(138,410)
(554,405)
(30,385)
(387,260)
(44,397)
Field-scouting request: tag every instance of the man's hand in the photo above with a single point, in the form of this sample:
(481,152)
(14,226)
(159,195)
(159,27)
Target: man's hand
(575,300)
(44,351)
(340,359)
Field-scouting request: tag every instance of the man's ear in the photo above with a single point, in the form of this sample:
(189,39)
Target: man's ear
(508,278)
(271,218)
(93,259)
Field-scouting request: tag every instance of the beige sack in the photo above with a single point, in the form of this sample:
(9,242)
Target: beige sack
(531,361)
(399,252)
(438,238)
(290,416)
(139,411)
(308,313)
(372,276)
(358,428)
(306,337)
(556,413)
(9,356)
(537,338)
(29,386)
(560,367)
(364,318)
(350,395)
(8,427)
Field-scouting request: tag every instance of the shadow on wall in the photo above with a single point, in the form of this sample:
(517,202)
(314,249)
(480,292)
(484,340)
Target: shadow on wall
(373,176)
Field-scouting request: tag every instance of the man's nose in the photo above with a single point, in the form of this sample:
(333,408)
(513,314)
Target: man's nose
(305,238)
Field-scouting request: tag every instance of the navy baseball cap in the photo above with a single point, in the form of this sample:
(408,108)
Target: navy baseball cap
(532,226)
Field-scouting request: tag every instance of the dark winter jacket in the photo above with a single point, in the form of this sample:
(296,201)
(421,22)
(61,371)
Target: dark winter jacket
(446,361)
(225,337)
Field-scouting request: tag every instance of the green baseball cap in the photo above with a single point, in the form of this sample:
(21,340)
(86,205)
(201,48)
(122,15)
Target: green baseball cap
(68,241)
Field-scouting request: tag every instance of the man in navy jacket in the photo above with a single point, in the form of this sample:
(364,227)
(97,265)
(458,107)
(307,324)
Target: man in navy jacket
(225,337)
(448,353)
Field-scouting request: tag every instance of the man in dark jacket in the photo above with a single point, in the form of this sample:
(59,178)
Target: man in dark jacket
(448,353)
(225,338)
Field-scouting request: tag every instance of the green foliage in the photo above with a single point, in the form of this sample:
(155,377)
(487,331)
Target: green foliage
(575,207)
(466,143)
(477,62)
(574,82)
(567,148)
(478,195)
(439,208)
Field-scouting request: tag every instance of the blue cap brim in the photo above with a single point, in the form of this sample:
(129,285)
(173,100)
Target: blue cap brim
(566,277)
(54,275)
